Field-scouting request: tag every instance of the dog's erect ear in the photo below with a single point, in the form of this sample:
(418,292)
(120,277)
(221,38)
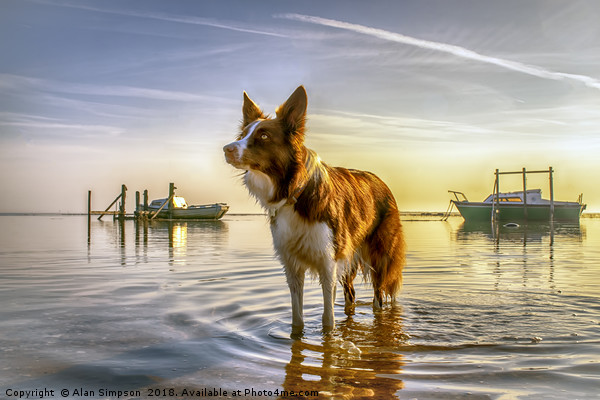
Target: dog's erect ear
(250,111)
(292,113)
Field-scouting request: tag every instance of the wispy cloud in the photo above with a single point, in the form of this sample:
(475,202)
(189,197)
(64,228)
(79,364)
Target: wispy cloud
(19,82)
(457,51)
(184,19)
(129,91)
(103,129)
(354,130)
(66,128)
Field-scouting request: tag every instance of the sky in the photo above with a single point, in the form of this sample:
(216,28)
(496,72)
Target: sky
(431,95)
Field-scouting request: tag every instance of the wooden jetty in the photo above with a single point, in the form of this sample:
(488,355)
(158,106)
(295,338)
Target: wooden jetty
(141,209)
(172,208)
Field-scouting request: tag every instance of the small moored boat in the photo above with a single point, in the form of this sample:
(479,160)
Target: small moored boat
(518,206)
(181,210)
(525,205)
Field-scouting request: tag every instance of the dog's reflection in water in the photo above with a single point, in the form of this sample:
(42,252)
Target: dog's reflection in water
(356,360)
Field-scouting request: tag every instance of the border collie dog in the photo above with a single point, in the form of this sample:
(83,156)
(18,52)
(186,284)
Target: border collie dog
(329,221)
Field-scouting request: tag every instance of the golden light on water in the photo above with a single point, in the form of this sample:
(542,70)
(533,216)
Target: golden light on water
(178,235)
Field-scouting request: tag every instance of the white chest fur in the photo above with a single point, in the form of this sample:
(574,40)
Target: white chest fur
(301,244)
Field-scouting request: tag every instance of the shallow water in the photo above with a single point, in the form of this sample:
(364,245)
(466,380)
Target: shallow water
(180,309)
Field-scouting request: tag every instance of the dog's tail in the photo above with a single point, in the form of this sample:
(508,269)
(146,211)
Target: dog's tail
(387,253)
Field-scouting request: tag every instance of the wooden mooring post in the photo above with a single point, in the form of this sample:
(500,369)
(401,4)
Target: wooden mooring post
(122,205)
(496,198)
(524,192)
(171,199)
(89,218)
(550,174)
(141,209)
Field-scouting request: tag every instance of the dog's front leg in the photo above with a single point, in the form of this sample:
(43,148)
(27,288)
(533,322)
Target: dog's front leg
(328,279)
(295,280)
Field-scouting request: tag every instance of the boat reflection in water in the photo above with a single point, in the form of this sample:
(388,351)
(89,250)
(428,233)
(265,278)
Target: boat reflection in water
(520,231)
(536,251)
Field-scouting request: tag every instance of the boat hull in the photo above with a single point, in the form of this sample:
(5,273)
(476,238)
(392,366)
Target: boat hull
(210,211)
(472,211)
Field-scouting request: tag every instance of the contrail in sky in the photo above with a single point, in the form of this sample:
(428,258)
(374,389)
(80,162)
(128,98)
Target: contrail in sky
(184,19)
(445,48)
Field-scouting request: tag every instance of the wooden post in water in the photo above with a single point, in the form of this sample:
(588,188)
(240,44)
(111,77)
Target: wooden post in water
(551,194)
(146,200)
(89,231)
(496,199)
(89,205)
(137,201)
(122,206)
(524,193)
(171,199)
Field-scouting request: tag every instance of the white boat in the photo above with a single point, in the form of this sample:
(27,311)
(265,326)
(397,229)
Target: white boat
(181,210)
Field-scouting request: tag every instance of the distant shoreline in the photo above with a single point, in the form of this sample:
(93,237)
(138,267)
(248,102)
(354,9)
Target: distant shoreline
(402,214)
(59,214)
